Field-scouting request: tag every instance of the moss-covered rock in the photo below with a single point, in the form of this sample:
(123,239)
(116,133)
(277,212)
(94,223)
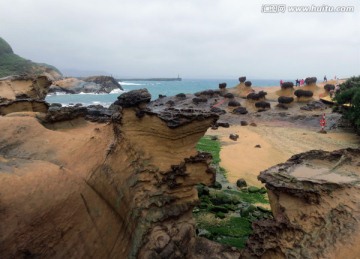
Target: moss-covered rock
(220,215)
(217,186)
(253,189)
(217,209)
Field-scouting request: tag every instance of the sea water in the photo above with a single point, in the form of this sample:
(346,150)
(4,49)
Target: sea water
(168,88)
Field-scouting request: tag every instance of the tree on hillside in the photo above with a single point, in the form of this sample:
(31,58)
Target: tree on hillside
(350,93)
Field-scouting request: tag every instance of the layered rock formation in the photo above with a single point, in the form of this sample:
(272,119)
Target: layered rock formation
(94,84)
(71,187)
(314,199)
(23,93)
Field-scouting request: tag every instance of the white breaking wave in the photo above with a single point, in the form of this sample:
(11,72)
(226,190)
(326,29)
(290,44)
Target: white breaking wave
(117,91)
(104,104)
(57,93)
(128,83)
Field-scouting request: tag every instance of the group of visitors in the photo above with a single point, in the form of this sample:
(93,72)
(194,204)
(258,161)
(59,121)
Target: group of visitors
(299,82)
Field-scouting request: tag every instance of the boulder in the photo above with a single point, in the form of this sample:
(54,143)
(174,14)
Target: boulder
(234,103)
(287,85)
(217,110)
(329,87)
(262,105)
(256,96)
(244,123)
(208,93)
(222,85)
(133,98)
(304,201)
(216,185)
(248,83)
(242,79)
(222,124)
(240,110)
(303,93)
(198,100)
(234,137)
(285,99)
(181,96)
(310,80)
(282,106)
(229,95)
(241,183)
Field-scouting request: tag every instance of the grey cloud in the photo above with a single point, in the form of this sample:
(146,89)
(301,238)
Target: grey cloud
(194,38)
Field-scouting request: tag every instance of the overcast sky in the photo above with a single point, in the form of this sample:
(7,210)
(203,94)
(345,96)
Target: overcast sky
(193,38)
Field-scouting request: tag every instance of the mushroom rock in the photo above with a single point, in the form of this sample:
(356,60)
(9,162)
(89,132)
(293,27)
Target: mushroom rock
(285,99)
(222,86)
(262,105)
(310,85)
(287,89)
(256,96)
(314,199)
(310,80)
(285,102)
(248,83)
(287,85)
(242,79)
(243,88)
(303,95)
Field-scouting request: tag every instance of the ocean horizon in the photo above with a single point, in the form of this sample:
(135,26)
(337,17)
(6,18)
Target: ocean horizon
(168,88)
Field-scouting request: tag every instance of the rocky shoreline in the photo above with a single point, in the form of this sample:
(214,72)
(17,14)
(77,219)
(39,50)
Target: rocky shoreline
(124,180)
(93,84)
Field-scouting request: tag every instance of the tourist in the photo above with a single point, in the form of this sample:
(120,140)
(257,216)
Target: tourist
(281,82)
(325,79)
(297,82)
(302,82)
